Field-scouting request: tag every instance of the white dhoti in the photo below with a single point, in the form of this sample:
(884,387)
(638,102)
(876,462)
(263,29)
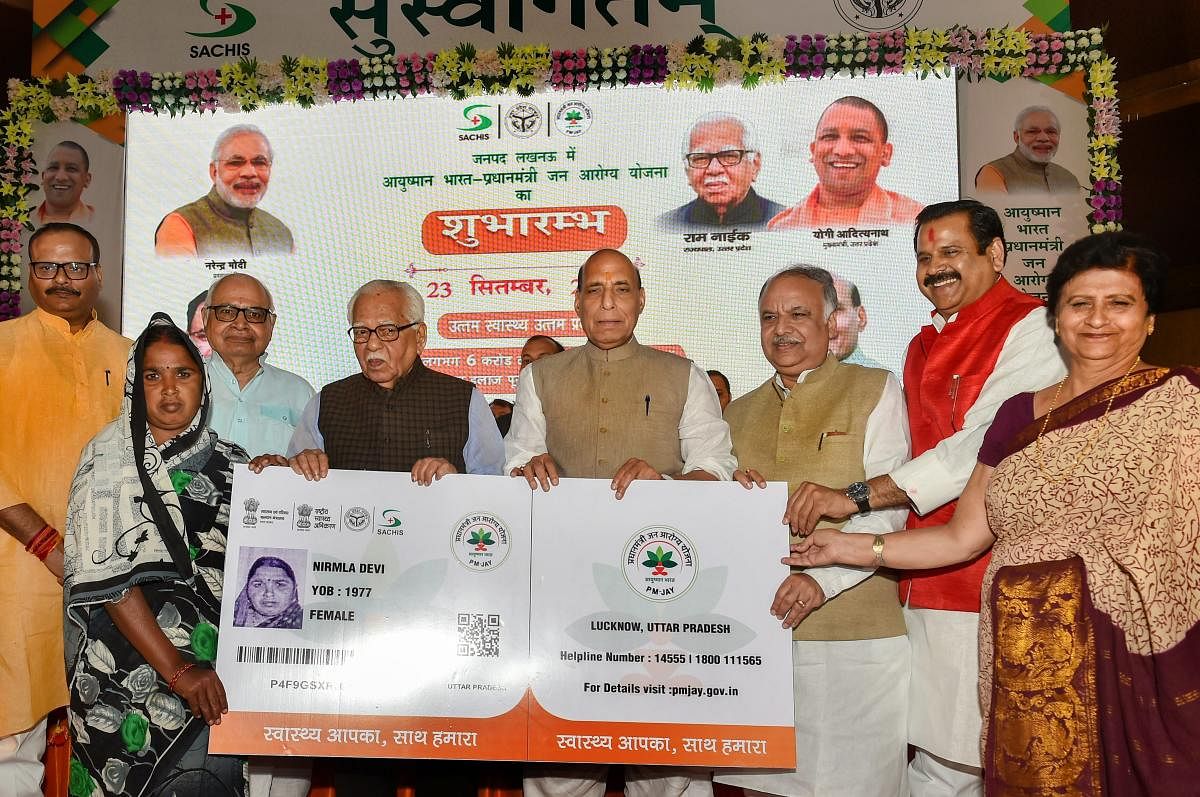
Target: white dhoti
(944,716)
(851,702)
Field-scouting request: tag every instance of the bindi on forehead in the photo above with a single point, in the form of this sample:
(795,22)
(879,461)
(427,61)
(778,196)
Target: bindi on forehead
(929,234)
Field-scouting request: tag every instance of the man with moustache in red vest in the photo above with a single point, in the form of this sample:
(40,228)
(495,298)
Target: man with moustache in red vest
(987,341)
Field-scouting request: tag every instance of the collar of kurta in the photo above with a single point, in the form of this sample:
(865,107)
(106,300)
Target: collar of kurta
(61,325)
(996,295)
(217,364)
(818,373)
(622,352)
(402,382)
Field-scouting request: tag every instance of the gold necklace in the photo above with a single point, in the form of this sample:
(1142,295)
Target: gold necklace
(1101,423)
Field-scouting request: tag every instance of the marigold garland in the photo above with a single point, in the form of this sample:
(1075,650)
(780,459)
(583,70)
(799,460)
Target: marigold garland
(464,71)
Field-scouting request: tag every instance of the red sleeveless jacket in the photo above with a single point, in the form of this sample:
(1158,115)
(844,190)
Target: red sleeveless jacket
(943,375)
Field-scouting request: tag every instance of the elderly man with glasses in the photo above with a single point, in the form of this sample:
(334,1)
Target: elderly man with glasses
(61,378)
(722,161)
(254,404)
(227,220)
(396,415)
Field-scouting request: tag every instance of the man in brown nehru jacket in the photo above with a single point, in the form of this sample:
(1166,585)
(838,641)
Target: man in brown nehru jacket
(396,415)
(615,409)
(819,417)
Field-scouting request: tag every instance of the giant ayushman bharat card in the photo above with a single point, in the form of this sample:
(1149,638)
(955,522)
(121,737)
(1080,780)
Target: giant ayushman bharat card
(364,615)
(651,640)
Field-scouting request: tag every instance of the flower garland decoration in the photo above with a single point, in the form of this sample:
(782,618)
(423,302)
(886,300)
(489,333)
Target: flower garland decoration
(701,64)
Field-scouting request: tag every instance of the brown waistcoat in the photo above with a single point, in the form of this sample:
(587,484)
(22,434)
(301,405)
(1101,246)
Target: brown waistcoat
(221,229)
(1023,176)
(604,407)
(368,427)
(782,439)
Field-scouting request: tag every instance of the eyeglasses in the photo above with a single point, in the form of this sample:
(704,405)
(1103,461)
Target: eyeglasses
(385,332)
(726,157)
(48,270)
(229,312)
(237,162)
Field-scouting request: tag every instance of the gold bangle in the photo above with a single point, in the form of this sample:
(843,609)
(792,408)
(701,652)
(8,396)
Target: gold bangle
(877,549)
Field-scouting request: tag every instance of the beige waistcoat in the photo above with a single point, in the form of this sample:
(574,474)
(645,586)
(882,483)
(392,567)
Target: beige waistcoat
(782,439)
(604,407)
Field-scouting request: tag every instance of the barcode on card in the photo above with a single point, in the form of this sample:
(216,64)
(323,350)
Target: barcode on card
(478,634)
(262,654)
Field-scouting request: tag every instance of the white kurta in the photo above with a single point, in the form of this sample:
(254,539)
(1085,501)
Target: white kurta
(851,697)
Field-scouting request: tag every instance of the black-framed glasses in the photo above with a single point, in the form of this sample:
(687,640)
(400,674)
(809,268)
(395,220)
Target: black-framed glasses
(385,332)
(229,312)
(48,269)
(726,157)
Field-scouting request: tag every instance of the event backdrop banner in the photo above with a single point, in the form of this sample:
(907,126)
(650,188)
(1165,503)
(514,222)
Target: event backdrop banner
(489,205)
(478,619)
(196,34)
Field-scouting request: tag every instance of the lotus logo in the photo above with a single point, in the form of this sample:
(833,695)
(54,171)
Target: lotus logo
(234,21)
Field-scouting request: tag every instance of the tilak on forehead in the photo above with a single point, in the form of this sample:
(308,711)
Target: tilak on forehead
(929,234)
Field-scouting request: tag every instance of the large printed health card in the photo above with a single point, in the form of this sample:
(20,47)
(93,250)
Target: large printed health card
(368,616)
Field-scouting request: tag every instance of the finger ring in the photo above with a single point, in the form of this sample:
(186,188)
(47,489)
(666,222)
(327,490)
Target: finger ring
(801,602)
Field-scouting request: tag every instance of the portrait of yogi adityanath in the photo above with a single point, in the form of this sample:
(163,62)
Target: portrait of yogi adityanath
(227,220)
(849,148)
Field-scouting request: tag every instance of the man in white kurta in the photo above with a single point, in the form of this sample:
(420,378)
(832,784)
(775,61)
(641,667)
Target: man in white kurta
(987,342)
(619,410)
(820,418)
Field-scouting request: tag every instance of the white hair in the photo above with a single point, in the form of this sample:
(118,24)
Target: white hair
(1032,109)
(815,273)
(414,303)
(212,289)
(238,130)
(749,139)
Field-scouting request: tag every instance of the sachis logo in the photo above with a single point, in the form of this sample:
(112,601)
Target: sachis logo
(478,118)
(391,524)
(233,21)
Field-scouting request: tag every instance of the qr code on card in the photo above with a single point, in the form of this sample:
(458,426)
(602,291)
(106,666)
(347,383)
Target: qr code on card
(478,634)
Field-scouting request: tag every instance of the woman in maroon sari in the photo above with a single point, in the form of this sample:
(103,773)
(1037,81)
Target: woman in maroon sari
(1088,493)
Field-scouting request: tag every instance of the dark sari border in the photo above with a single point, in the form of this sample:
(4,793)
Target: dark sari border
(1123,391)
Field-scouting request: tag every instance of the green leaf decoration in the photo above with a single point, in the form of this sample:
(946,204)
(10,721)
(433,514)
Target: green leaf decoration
(668,563)
(649,563)
(666,557)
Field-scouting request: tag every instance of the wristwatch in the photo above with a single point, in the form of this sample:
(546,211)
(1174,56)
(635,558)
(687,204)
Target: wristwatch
(860,493)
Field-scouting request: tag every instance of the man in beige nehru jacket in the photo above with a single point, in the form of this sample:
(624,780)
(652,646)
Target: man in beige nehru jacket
(619,410)
(819,417)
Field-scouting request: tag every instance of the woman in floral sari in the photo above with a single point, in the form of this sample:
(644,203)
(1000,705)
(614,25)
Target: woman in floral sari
(145,551)
(1088,493)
